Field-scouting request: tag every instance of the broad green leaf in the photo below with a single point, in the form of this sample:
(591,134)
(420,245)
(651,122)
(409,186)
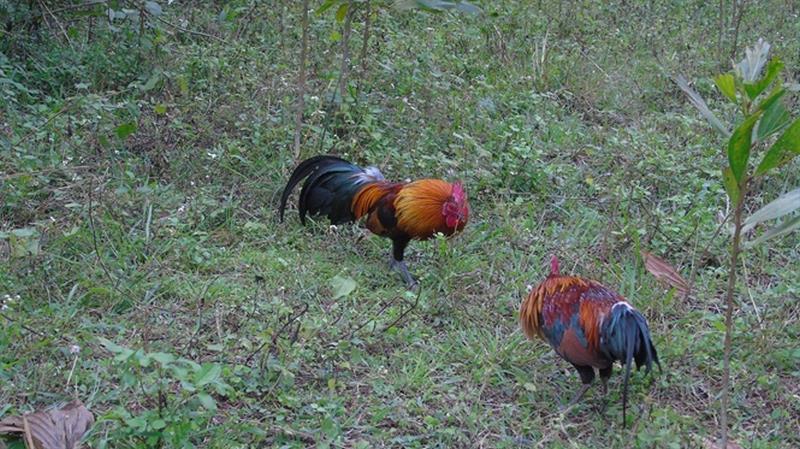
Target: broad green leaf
(126,129)
(784,228)
(341,13)
(773,98)
(162,357)
(739,146)
(143,359)
(342,286)
(731,186)
(326,5)
(158,424)
(152,82)
(207,401)
(783,150)
(209,372)
(110,345)
(701,106)
(773,69)
(160,109)
(125,354)
(727,85)
(24,232)
(783,205)
(774,119)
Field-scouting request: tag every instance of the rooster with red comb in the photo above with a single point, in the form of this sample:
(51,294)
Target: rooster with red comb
(401,211)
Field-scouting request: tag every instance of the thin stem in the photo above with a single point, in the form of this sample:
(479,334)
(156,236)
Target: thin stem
(739,12)
(365,38)
(346,50)
(721,31)
(301,84)
(729,304)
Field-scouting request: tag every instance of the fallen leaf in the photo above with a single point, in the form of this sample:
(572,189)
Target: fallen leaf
(54,428)
(342,286)
(664,272)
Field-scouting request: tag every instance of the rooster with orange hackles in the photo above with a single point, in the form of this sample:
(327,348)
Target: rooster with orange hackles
(401,211)
(590,326)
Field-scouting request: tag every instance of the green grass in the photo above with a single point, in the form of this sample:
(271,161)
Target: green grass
(167,240)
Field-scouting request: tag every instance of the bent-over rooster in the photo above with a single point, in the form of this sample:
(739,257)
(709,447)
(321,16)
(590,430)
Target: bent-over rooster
(590,326)
(345,192)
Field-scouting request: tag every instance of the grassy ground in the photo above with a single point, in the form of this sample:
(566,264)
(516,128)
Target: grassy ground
(140,169)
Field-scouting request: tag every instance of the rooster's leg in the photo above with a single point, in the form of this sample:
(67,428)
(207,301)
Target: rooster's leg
(404,273)
(605,374)
(587,377)
(578,396)
(398,249)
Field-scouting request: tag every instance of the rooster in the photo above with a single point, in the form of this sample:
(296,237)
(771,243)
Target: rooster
(401,211)
(590,326)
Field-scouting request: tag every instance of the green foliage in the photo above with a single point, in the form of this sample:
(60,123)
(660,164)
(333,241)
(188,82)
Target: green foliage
(175,393)
(561,123)
(770,116)
(737,177)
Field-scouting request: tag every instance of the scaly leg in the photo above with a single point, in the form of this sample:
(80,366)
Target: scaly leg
(587,377)
(605,374)
(403,269)
(578,396)
(398,249)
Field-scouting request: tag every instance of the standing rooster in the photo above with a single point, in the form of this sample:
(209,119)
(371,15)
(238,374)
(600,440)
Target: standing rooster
(400,211)
(588,325)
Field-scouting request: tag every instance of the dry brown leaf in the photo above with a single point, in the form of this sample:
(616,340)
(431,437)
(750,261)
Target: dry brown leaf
(55,428)
(664,272)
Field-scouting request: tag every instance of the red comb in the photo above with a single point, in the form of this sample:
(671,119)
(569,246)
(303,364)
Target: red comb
(458,191)
(553,265)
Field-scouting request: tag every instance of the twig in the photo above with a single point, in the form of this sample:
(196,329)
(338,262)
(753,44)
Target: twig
(184,30)
(199,301)
(274,340)
(47,122)
(79,6)
(43,171)
(94,235)
(705,250)
(405,312)
(22,325)
(371,318)
(750,292)
(61,27)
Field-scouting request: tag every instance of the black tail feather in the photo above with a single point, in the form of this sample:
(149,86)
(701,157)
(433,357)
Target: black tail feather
(328,190)
(304,169)
(626,337)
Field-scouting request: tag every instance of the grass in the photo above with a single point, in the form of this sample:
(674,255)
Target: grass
(167,241)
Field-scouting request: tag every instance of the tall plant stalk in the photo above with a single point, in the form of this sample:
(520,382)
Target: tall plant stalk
(763,115)
(729,305)
(348,22)
(301,84)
